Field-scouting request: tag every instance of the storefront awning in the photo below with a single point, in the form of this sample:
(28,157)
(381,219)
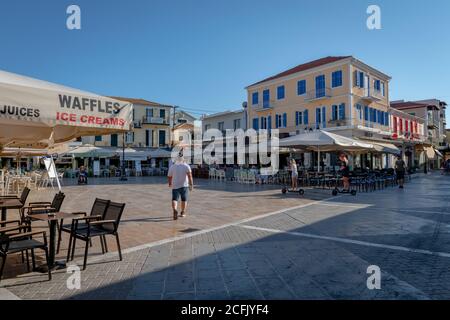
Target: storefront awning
(386,147)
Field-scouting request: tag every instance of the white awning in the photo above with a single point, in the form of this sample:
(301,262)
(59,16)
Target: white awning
(37,114)
(324,141)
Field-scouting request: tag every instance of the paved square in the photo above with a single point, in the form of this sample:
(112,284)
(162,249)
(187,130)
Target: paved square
(272,248)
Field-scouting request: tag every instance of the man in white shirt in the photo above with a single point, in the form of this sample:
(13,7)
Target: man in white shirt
(180,180)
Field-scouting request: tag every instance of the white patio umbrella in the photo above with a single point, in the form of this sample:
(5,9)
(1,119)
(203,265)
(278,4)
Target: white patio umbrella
(323,141)
(37,114)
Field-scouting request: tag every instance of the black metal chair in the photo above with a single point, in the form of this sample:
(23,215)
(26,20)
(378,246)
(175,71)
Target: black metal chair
(23,197)
(42,207)
(97,213)
(20,242)
(98,228)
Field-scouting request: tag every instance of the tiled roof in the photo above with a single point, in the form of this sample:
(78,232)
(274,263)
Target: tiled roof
(408,105)
(304,67)
(139,101)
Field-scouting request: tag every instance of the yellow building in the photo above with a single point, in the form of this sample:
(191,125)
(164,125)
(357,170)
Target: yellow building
(340,94)
(152,127)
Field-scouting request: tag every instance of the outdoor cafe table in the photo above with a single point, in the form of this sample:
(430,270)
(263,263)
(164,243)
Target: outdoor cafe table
(52,219)
(9,204)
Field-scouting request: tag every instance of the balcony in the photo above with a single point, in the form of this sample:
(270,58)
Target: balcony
(155,120)
(265,105)
(318,94)
(137,124)
(372,96)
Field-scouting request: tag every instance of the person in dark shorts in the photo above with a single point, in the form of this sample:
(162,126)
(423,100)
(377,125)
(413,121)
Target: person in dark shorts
(400,170)
(180,180)
(344,171)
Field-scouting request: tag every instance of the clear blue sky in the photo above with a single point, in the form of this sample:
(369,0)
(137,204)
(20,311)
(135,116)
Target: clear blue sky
(201,54)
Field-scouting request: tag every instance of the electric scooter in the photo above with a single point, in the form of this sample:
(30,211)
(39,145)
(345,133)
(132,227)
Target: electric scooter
(286,189)
(337,191)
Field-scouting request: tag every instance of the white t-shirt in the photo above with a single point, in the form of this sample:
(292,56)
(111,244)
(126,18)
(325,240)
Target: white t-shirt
(179,173)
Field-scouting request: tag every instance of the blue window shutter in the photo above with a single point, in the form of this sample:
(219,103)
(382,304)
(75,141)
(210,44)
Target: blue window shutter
(324,117)
(301,87)
(296,118)
(317,116)
(386,119)
(276,120)
(333,112)
(280,92)
(255,123)
(306,117)
(300,120)
(269,122)
(255,98)
(284,120)
(361,80)
(266,98)
(342,111)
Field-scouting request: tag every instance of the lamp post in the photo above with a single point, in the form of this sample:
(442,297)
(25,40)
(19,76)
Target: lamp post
(123,176)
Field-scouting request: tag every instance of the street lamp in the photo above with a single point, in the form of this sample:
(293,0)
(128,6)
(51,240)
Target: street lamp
(123,176)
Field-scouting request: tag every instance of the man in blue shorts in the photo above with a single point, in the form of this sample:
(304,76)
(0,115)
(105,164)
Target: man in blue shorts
(180,180)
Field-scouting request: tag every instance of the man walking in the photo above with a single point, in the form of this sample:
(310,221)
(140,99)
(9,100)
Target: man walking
(180,180)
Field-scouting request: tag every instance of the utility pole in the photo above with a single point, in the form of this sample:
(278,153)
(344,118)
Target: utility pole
(173,123)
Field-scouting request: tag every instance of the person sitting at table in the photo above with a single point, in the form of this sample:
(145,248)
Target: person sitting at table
(82,176)
(344,171)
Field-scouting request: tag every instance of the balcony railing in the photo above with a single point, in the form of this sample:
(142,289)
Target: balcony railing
(373,95)
(316,94)
(265,105)
(154,120)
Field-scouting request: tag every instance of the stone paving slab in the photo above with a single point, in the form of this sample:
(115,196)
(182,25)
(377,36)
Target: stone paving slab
(246,261)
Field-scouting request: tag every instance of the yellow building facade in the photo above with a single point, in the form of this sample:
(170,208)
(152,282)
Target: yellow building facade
(332,92)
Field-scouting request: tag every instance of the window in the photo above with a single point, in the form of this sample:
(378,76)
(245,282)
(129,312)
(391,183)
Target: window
(366,113)
(98,138)
(256,124)
(129,137)
(342,111)
(305,117)
(269,123)
(298,118)
(395,125)
(207,127)
(149,113)
(114,140)
(162,113)
(412,113)
(359,111)
(358,77)
(281,120)
(318,117)
(378,116)
(263,123)
(320,86)
(280,93)
(334,112)
(162,138)
(255,98)
(220,126)
(400,125)
(266,98)
(301,87)
(377,85)
(148,138)
(236,124)
(383,89)
(336,79)
(386,119)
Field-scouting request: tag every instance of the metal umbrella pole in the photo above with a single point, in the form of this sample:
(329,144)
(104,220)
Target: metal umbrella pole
(123,176)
